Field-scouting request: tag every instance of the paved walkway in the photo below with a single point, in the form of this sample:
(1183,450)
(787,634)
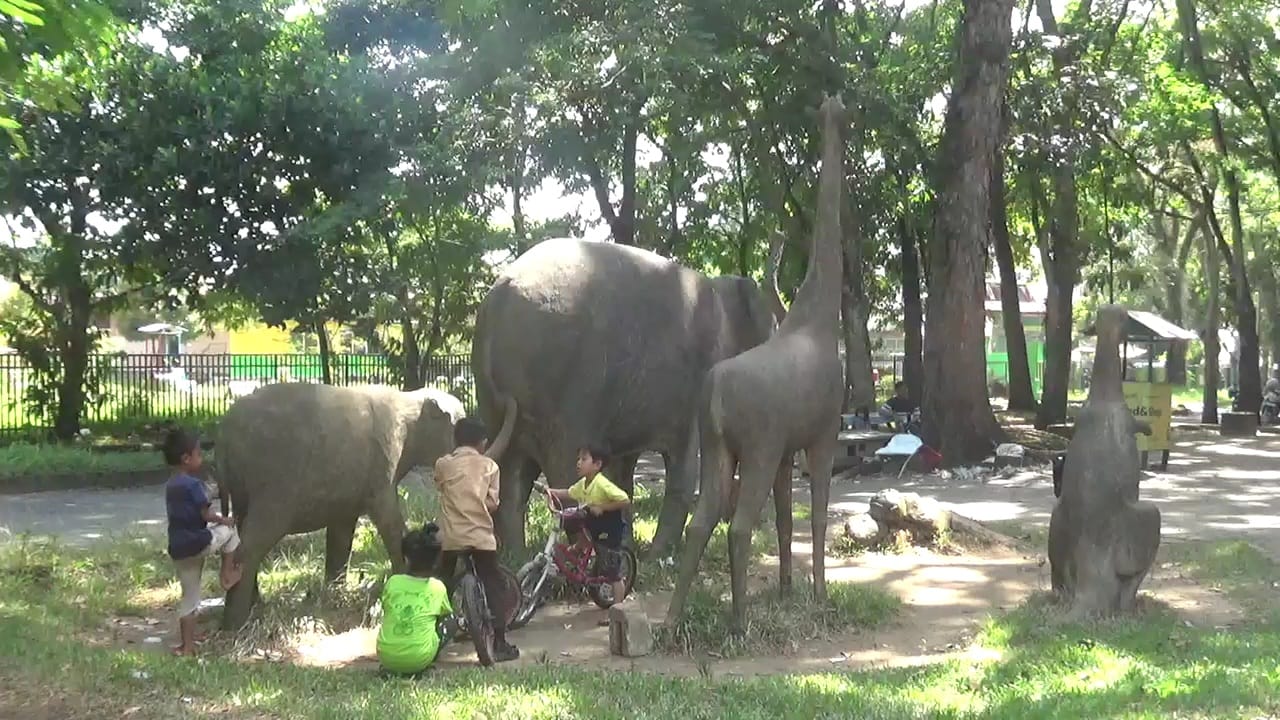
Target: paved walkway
(1215,487)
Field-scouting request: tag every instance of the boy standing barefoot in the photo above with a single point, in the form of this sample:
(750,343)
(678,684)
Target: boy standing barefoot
(195,531)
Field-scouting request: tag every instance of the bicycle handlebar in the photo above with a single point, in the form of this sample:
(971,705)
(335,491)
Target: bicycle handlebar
(553,503)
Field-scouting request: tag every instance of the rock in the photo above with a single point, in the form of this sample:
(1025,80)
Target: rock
(1010,455)
(863,530)
(630,633)
(924,518)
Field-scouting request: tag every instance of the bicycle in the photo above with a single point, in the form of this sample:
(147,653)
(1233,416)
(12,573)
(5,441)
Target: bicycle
(559,560)
(471,609)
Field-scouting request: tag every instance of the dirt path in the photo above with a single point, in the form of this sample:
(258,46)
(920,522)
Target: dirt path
(1214,487)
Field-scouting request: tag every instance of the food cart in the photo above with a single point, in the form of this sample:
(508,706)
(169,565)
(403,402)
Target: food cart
(1154,357)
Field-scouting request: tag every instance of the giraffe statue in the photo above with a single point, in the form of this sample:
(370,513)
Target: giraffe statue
(759,408)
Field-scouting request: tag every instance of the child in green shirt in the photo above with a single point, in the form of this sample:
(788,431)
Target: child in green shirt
(412,606)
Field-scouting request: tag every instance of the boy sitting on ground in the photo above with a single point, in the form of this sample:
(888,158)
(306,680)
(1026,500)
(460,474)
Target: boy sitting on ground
(195,531)
(414,606)
(604,525)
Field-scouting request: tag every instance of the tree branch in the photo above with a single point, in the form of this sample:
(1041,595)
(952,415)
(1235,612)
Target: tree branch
(1156,177)
(1206,194)
(599,184)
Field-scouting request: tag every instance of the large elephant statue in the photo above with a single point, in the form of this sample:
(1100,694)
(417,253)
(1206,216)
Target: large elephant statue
(298,457)
(580,341)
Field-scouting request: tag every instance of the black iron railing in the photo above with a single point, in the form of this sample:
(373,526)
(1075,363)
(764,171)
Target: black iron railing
(130,391)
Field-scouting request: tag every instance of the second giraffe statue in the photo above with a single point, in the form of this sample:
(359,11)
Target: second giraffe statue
(761,407)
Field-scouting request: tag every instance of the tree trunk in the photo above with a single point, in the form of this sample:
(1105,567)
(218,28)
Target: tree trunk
(435,333)
(411,355)
(1176,301)
(518,161)
(958,420)
(1213,321)
(1059,254)
(1250,372)
(1060,251)
(1057,346)
(1021,396)
(1269,295)
(1250,378)
(326,353)
(912,307)
(855,311)
(744,218)
(622,221)
(75,370)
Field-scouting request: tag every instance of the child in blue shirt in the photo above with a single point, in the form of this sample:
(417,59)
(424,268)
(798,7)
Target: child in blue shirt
(196,531)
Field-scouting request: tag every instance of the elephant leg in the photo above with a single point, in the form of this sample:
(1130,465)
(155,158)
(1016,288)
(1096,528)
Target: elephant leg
(783,520)
(257,537)
(820,455)
(757,478)
(337,549)
(717,472)
(561,463)
(385,513)
(622,471)
(677,495)
(518,472)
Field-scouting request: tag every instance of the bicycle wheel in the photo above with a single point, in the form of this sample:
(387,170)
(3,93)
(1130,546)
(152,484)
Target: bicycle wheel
(510,595)
(529,577)
(629,566)
(476,611)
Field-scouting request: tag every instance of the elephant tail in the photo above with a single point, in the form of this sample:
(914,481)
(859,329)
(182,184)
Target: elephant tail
(487,393)
(500,443)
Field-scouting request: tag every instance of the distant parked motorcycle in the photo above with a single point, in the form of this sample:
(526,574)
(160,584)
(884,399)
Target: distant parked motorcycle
(1270,411)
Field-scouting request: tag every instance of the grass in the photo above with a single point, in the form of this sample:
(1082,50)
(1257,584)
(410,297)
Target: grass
(1151,667)
(22,460)
(1155,666)
(775,624)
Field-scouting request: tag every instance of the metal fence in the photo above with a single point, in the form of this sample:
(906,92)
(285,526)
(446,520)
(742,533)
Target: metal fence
(131,391)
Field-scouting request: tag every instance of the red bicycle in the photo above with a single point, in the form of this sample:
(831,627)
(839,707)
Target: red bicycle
(562,560)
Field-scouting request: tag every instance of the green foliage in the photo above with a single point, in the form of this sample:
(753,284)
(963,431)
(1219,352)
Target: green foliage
(36,41)
(23,460)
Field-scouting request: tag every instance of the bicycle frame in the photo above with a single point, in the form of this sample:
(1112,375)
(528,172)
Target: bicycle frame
(556,559)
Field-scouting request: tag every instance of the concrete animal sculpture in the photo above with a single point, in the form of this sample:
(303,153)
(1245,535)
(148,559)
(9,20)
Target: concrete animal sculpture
(761,407)
(604,342)
(1102,539)
(299,457)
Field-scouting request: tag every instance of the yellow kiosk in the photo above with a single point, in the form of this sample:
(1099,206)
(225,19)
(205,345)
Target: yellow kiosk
(1155,359)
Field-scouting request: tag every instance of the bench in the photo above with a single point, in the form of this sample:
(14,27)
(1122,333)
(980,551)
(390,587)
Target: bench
(858,444)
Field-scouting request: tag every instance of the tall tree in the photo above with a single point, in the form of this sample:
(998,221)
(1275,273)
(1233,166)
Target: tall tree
(1021,395)
(957,413)
(1236,254)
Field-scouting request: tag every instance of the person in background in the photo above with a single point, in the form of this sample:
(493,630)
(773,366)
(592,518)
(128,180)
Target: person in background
(897,406)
